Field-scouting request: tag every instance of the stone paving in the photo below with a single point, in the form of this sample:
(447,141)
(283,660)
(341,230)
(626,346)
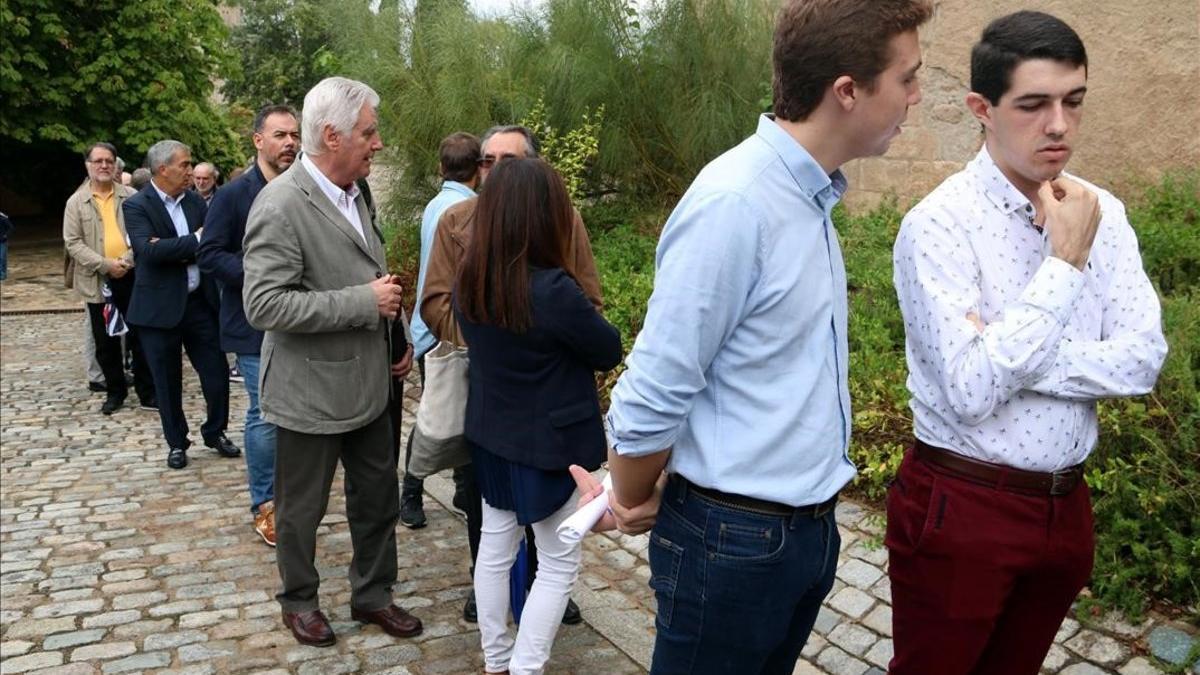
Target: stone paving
(110,562)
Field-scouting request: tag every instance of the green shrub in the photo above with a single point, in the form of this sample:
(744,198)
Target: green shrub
(882,426)
(1145,472)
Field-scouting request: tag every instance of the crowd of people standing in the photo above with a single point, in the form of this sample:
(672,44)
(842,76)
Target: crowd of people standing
(727,436)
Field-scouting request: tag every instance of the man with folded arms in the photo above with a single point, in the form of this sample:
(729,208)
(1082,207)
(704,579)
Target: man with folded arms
(316,282)
(174,306)
(1024,301)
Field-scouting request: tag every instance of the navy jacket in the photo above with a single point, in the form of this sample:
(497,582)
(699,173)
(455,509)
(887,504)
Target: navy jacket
(532,396)
(220,255)
(160,280)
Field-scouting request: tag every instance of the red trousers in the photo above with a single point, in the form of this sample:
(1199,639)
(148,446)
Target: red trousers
(981,578)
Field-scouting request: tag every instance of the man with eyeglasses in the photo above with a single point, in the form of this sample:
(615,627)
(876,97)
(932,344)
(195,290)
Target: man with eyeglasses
(95,239)
(450,243)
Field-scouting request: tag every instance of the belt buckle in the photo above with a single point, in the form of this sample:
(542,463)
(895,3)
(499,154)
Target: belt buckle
(1061,482)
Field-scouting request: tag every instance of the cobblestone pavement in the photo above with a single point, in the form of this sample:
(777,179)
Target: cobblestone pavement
(110,562)
(35,277)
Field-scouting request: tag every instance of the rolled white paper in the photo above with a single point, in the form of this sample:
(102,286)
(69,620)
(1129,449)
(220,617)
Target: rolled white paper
(581,522)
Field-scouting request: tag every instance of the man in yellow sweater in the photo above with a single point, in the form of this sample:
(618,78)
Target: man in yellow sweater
(94,234)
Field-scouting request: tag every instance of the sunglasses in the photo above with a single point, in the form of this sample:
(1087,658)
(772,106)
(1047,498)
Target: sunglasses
(487,161)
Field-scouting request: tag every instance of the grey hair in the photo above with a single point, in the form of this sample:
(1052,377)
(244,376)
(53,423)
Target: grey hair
(141,176)
(531,142)
(215,170)
(120,165)
(335,102)
(161,152)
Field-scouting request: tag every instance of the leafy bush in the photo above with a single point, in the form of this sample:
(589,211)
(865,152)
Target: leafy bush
(1145,472)
(570,153)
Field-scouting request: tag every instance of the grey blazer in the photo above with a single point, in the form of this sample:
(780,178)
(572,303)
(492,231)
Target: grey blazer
(326,349)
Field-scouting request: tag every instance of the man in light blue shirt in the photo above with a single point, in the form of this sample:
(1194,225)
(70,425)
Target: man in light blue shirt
(458,164)
(730,427)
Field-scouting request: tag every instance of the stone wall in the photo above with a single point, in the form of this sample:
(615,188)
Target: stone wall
(1141,114)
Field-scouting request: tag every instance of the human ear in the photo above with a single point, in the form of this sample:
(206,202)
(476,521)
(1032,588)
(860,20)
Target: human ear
(981,108)
(845,92)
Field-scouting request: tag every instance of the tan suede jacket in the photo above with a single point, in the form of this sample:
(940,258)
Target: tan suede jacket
(83,236)
(449,246)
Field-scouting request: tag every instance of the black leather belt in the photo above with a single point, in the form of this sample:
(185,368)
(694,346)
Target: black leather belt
(753,505)
(1007,478)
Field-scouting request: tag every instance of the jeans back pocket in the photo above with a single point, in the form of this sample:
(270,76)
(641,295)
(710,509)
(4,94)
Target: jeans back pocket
(666,557)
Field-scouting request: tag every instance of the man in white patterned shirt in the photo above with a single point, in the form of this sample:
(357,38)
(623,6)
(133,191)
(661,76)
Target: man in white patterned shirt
(1024,301)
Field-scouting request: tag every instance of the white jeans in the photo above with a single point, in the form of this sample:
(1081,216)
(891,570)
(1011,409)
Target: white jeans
(558,567)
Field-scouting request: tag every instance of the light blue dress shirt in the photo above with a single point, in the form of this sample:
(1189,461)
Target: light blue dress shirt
(179,220)
(740,367)
(452,193)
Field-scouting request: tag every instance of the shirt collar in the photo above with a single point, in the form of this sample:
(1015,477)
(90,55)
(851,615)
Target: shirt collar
(169,201)
(333,192)
(999,190)
(112,192)
(824,188)
(455,186)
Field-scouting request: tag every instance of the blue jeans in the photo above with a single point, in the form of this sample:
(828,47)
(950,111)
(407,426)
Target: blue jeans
(259,439)
(737,591)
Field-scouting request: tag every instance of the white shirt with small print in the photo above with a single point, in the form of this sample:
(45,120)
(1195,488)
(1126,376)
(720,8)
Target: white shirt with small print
(1023,392)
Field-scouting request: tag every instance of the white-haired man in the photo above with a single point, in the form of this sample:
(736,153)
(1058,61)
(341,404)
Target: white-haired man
(204,181)
(316,282)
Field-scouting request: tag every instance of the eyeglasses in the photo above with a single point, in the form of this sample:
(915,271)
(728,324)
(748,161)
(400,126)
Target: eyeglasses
(487,161)
(102,161)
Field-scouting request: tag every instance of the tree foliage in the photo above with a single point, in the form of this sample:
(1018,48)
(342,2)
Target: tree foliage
(284,47)
(77,71)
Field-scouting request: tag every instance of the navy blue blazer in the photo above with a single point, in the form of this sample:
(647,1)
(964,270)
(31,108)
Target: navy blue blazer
(532,397)
(160,276)
(220,256)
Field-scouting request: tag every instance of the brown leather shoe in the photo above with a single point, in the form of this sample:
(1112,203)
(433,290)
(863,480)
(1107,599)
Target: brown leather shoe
(310,628)
(393,620)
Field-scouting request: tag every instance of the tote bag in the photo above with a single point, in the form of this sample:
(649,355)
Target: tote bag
(438,441)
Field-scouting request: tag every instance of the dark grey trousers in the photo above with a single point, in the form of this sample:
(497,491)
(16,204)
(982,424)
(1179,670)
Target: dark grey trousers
(304,469)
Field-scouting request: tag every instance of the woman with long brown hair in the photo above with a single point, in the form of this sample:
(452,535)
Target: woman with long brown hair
(532,409)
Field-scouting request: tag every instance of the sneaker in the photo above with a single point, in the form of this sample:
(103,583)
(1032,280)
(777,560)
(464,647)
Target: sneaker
(264,523)
(412,511)
(235,375)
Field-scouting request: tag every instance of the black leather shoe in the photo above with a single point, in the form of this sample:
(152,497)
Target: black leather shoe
(470,611)
(97,386)
(310,628)
(224,446)
(111,405)
(177,458)
(412,512)
(571,615)
(149,404)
